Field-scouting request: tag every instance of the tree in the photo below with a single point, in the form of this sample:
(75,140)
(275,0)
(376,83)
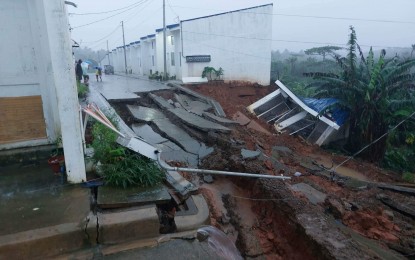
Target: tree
(413,49)
(372,90)
(292,60)
(323,51)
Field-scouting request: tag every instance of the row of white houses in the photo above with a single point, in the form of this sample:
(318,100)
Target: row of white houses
(238,41)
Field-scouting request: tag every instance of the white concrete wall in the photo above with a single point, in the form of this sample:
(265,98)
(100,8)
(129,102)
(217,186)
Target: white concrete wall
(119,61)
(37,60)
(171,70)
(152,52)
(239,42)
(135,59)
(159,50)
(177,70)
(128,50)
(23,71)
(146,58)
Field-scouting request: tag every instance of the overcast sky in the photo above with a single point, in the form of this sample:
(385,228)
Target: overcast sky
(291,30)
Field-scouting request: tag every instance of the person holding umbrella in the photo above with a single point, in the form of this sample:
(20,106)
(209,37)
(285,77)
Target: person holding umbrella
(98,73)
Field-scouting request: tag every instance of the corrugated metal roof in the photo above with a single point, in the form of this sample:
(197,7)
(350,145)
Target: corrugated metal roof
(338,115)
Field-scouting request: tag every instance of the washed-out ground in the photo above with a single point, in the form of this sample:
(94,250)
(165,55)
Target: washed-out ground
(317,215)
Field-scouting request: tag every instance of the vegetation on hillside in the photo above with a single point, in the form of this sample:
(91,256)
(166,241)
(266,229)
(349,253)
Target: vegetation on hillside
(378,90)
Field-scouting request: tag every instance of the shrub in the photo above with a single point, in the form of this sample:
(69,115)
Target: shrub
(121,167)
(82,89)
(131,169)
(408,177)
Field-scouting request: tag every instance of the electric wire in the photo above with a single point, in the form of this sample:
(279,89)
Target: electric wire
(375,141)
(142,22)
(105,12)
(105,37)
(98,42)
(108,17)
(93,44)
(133,15)
(171,8)
(289,41)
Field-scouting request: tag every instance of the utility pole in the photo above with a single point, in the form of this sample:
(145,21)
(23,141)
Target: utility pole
(164,40)
(125,54)
(108,54)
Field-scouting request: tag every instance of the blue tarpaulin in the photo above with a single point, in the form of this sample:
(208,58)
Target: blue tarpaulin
(336,114)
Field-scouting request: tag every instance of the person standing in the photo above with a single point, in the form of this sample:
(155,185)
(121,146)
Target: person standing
(98,73)
(85,74)
(78,71)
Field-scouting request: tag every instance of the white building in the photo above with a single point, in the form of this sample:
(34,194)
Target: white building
(38,95)
(239,42)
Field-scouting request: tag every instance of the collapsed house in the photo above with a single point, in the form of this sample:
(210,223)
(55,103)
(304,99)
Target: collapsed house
(314,119)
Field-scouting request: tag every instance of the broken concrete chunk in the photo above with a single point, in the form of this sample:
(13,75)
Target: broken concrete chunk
(207,178)
(202,235)
(218,119)
(281,151)
(249,154)
(241,118)
(145,113)
(197,121)
(389,214)
(161,102)
(197,107)
(146,132)
(204,151)
(335,207)
(178,135)
(313,195)
(183,186)
(257,127)
(217,108)
(116,95)
(225,219)
(114,197)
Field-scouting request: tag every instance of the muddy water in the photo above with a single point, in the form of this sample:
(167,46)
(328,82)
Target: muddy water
(342,170)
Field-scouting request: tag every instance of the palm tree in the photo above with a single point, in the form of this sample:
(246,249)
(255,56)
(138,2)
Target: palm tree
(372,90)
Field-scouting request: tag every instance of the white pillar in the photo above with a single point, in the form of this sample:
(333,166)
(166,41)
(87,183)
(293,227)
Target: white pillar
(66,91)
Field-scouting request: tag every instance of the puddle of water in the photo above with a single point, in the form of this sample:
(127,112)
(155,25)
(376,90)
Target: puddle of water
(342,170)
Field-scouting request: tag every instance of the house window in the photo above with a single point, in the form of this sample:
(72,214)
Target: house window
(180,58)
(172,59)
(152,44)
(152,59)
(172,40)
